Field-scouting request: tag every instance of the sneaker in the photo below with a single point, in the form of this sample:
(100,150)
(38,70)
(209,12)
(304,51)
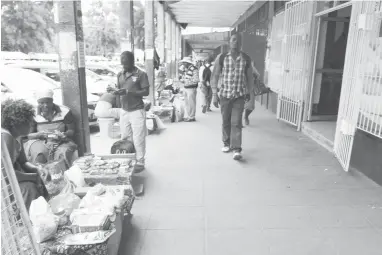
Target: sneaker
(237,155)
(138,167)
(226,149)
(204,109)
(209,110)
(190,120)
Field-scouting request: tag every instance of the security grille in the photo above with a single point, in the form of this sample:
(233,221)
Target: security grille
(16,234)
(298,17)
(370,37)
(275,60)
(361,93)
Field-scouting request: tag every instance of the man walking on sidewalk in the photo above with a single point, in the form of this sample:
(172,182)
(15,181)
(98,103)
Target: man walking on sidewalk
(231,84)
(205,78)
(133,85)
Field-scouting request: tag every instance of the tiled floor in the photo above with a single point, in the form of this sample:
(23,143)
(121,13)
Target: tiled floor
(289,196)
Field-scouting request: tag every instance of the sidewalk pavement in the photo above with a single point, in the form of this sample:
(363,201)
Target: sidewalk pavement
(289,195)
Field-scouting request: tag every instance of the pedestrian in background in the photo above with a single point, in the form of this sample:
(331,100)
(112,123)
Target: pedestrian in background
(205,78)
(250,104)
(232,81)
(190,78)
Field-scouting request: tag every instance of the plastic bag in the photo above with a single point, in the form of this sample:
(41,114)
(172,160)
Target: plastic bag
(63,205)
(53,177)
(44,222)
(74,174)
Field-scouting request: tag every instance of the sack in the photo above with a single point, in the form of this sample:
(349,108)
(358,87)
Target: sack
(75,175)
(53,177)
(260,88)
(122,147)
(63,205)
(44,222)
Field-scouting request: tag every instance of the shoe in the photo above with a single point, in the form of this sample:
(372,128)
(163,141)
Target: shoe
(237,155)
(226,149)
(209,110)
(246,122)
(204,109)
(190,120)
(138,167)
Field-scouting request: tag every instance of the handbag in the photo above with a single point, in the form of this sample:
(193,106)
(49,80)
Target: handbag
(260,88)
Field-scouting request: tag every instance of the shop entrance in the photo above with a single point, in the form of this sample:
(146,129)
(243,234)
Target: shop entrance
(331,42)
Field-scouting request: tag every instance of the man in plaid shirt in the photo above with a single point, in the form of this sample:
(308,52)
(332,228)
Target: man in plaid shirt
(231,83)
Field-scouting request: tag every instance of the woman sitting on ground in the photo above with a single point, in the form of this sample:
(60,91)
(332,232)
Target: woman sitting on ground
(16,120)
(53,133)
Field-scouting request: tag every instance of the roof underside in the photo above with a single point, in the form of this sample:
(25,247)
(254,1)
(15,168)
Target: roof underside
(199,13)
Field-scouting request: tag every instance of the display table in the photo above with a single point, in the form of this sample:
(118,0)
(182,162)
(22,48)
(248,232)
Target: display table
(109,247)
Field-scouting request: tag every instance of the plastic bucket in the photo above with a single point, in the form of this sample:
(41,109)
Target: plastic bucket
(105,125)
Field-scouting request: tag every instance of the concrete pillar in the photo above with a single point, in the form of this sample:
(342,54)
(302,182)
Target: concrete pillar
(168,43)
(126,17)
(173,48)
(161,31)
(149,46)
(176,51)
(70,39)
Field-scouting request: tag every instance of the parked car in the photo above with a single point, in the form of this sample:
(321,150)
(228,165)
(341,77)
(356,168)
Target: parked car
(23,84)
(106,71)
(95,84)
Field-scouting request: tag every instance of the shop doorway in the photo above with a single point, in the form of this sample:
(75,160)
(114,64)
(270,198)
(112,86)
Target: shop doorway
(331,41)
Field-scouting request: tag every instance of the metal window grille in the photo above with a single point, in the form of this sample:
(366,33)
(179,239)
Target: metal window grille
(275,61)
(16,231)
(370,114)
(296,48)
(361,94)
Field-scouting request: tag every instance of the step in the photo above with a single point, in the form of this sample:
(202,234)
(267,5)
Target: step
(317,137)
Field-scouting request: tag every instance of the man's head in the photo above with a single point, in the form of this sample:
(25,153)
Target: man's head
(235,42)
(127,60)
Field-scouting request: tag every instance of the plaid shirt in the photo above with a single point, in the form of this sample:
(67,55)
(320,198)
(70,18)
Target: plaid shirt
(233,82)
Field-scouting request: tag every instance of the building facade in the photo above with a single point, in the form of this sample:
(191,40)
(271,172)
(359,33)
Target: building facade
(323,63)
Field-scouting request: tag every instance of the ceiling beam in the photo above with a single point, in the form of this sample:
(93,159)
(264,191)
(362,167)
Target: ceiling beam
(249,12)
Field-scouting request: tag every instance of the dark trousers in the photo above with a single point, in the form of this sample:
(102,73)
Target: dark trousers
(207,95)
(232,113)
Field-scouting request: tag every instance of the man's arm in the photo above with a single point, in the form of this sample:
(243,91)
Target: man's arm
(215,75)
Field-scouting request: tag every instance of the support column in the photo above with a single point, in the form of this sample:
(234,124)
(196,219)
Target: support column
(173,48)
(70,39)
(161,31)
(149,46)
(168,43)
(126,17)
(176,51)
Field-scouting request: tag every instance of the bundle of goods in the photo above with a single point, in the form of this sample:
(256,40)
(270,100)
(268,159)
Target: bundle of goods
(54,179)
(97,166)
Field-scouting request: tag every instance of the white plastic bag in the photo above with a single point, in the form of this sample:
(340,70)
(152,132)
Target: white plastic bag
(74,174)
(44,222)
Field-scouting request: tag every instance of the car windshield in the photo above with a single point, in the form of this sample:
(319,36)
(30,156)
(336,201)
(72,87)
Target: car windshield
(23,80)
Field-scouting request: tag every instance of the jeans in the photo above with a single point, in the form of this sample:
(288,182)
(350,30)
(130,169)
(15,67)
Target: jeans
(207,95)
(190,101)
(232,112)
(133,128)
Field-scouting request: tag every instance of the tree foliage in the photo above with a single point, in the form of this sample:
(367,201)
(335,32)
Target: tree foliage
(27,26)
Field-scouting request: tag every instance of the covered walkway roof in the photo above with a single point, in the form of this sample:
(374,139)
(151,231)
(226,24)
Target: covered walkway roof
(217,14)
(223,13)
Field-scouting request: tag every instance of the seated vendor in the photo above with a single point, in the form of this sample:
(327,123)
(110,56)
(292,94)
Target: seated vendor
(16,120)
(104,107)
(53,132)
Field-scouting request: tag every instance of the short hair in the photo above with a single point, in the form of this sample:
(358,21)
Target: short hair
(128,54)
(15,113)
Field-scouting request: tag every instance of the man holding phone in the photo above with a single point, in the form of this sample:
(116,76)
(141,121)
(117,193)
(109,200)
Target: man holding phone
(132,86)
